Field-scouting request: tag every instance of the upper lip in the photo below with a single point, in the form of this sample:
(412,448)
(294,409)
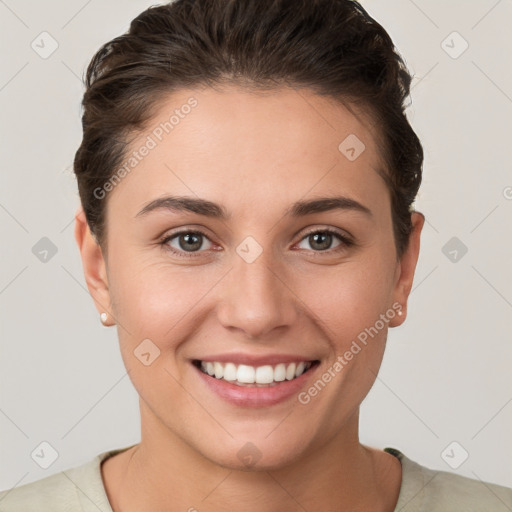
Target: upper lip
(255,360)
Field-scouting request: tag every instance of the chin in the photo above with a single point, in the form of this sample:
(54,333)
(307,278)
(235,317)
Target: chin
(256,453)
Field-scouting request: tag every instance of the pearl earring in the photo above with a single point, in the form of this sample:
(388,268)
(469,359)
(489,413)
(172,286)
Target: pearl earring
(103,317)
(400,312)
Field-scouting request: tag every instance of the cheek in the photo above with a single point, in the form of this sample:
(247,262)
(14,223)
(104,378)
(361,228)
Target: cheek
(154,308)
(155,300)
(350,298)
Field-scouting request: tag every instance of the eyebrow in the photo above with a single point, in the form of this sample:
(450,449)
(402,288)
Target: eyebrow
(210,209)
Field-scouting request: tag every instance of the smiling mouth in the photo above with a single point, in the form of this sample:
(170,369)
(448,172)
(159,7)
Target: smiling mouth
(252,376)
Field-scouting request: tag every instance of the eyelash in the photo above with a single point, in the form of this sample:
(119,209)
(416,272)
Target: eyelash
(346,242)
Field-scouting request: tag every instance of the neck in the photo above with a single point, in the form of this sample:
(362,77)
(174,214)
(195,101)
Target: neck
(165,473)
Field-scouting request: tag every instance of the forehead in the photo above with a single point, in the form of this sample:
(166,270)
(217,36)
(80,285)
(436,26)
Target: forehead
(243,147)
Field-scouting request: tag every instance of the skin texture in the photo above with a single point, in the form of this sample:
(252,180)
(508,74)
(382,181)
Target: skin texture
(255,154)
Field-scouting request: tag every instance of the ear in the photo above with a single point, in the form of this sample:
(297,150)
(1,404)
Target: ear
(406,268)
(94,266)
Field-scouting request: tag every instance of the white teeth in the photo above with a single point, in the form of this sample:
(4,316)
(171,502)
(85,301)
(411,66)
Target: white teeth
(262,375)
(245,374)
(290,371)
(298,372)
(210,368)
(230,371)
(280,372)
(219,370)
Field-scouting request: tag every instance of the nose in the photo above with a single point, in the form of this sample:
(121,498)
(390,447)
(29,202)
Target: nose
(257,299)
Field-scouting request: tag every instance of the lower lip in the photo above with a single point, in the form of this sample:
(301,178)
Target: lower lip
(245,396)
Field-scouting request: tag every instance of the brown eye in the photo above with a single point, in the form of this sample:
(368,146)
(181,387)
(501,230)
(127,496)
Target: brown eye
(321,240)
(185,242)
(190,241)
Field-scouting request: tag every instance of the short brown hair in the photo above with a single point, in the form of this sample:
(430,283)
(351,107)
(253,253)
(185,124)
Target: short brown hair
(333,47)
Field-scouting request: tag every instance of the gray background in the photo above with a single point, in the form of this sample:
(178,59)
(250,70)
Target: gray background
(446,373)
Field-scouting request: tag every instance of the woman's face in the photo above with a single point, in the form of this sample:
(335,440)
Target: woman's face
(264,285)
